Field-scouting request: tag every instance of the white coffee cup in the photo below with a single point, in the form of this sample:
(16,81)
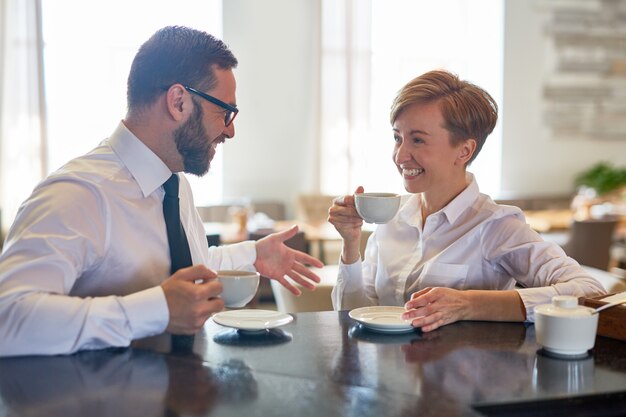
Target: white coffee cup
(239,287)
(377,208)
(564,327)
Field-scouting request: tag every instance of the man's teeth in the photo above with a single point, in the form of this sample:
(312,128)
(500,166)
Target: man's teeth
(412,172)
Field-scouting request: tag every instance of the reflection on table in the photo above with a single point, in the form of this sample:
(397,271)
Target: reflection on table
(322,365)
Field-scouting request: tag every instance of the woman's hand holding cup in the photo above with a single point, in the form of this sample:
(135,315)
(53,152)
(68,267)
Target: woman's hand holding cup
(343,215)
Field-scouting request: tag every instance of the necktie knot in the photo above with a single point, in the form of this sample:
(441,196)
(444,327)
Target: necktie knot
(171,186)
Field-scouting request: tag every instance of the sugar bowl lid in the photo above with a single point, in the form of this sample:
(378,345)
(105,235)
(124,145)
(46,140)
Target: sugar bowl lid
(564,306)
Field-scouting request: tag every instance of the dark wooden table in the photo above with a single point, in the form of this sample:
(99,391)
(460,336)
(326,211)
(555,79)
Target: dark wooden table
(323,364)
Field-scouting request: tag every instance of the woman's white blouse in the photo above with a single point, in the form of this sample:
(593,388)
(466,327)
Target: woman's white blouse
(472,243)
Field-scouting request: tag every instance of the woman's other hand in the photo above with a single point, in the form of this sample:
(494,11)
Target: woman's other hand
(434,307)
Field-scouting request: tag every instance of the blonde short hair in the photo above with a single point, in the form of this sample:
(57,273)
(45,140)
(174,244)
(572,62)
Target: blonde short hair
(468,111)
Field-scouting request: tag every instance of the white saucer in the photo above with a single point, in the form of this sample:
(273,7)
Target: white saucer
(384,319)
(250,320)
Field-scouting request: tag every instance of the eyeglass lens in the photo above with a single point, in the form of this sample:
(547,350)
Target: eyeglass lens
(229,117)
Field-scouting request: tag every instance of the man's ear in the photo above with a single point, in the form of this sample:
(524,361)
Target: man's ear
(466,151)
(177,102)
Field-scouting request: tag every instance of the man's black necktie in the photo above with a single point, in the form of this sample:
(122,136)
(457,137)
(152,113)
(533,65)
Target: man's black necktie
(179,246)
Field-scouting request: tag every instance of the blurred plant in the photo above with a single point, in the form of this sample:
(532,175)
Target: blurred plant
(602,177)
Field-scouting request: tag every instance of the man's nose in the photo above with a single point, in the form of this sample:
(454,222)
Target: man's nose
(229,131)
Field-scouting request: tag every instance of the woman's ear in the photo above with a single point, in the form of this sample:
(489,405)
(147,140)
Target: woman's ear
(466,151)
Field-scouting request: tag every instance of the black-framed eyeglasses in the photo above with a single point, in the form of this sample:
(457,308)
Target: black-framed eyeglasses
(231,111)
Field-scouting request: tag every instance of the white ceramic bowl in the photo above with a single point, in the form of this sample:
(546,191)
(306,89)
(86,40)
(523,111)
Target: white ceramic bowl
(239,287)
(377,208)
(564,327)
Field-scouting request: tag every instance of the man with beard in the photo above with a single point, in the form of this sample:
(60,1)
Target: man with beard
(86,265)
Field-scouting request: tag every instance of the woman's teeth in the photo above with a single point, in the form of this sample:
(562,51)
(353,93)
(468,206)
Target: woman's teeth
(412,172)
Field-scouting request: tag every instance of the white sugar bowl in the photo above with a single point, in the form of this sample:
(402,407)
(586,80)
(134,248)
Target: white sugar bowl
(566,328)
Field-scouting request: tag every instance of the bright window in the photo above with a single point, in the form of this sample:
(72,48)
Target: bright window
(87,58)
(370,49)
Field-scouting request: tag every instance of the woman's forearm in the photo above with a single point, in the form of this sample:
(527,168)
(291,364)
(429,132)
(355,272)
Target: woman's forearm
(496,305)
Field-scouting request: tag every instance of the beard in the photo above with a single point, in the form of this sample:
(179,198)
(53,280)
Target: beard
(193,144)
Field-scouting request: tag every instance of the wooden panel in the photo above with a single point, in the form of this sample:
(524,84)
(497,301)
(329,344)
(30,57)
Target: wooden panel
(612,322)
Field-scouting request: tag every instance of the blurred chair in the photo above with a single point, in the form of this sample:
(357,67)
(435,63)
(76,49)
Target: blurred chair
(216,213)
(318,300)
(223,213)
(213,239)
(275,210)
(590,242)
(298,242)
(313,207)
(618,255)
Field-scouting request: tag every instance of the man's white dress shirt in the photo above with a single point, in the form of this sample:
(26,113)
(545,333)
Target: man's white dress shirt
(472,243)
(82,265)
